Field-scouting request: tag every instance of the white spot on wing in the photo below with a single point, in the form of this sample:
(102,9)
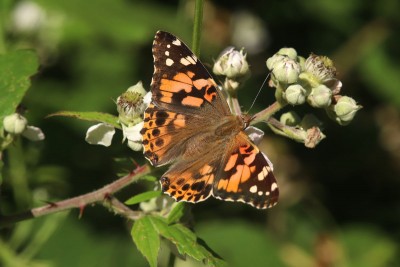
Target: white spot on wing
(167,53)
(185,62)
(253,189)
(169,62)
(261,176)
(168,46)
(188,60)
(176,42)
(260,193)
(274,186)
(265,171)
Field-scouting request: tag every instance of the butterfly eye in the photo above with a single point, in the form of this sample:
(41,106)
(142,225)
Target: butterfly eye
(246,118)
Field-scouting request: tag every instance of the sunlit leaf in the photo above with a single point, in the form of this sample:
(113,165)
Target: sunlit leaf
(176,213)
(185,241)
(143,197)
(146,239)
(90,116)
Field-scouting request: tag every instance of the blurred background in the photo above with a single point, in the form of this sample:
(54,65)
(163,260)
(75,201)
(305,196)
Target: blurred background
(340,202)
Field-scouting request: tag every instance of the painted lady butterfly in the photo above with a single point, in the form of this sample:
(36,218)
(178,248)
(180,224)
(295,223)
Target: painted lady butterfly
(189,124)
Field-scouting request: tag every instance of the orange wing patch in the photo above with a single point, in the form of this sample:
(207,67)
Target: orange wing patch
(188,184)
(247,176)
(158,131)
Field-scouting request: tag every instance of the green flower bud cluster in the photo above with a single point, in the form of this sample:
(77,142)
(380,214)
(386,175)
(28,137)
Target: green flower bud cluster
(312,80)
(233,65)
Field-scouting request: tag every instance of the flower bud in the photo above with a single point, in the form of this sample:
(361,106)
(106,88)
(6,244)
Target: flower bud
(344,110)
(231,85)
(290,118)
(320,97)
(285,70)
(272,61)
(232,64)
(295,94)
(15,123)
(309,121)
(130,105)
(289,52)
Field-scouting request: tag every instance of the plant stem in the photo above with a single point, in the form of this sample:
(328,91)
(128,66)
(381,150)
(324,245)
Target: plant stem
(19,175)
(265,114)
(197,25)
(103,194)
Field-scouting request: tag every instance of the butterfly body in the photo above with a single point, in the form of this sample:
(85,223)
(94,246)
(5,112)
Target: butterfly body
(189,125)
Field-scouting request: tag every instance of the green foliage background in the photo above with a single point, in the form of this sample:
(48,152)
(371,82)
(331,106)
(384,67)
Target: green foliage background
(340,199)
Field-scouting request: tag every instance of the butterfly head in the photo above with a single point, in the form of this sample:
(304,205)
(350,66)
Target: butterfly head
(246,118)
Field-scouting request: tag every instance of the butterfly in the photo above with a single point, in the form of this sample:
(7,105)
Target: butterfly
(189,124)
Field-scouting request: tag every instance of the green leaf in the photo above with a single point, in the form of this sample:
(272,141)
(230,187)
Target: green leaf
(150,178)
(143,197)
(90,116)
(185,241)
(15,69)
(146,238)
(176,213)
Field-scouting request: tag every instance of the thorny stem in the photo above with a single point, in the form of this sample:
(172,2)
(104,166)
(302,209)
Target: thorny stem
(103,194)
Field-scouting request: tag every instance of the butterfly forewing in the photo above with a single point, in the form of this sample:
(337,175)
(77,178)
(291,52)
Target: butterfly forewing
(189,124)
(180,80)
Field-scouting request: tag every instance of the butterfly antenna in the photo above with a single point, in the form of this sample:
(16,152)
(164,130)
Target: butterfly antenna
(259,91)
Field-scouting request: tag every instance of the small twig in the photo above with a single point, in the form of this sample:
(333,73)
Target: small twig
(265,114)
(120,208)
(235,105)
(80,201)
(310,136)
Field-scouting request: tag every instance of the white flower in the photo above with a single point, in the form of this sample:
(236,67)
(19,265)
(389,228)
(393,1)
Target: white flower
(131,105)
(133,135)
(33,133)
(28,16)
(100,134)
(17,124)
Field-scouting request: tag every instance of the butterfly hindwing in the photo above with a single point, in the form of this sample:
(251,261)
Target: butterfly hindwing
(246,176)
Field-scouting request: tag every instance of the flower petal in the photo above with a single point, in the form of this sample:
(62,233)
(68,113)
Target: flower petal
(33,133)
(100,134)
(133,133)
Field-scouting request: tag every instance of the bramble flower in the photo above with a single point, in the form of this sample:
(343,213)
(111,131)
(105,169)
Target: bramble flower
(130,106)
(17,124)
(321,67)
(319,70)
